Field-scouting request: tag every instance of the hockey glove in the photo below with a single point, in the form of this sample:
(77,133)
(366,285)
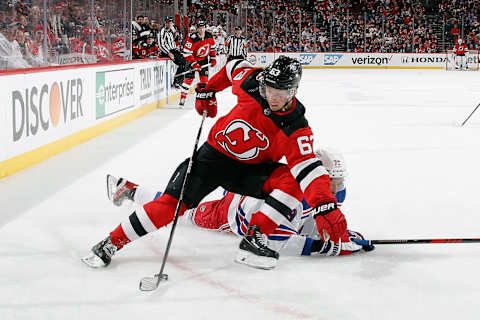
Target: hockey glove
(196,66)
(331,220)
(329,248)
(213,62)
(205,100)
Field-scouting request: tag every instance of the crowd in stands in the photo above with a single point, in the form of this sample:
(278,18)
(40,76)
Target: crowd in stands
(464,13)
(271,26)
(71,35)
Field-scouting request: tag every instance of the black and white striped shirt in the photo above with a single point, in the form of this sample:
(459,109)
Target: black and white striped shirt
(167,40)
(236,46)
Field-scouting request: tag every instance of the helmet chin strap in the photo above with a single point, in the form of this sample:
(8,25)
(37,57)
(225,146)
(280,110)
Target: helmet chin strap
(287,106)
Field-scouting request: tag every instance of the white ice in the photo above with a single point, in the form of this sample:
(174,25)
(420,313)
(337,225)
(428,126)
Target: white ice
(413,173)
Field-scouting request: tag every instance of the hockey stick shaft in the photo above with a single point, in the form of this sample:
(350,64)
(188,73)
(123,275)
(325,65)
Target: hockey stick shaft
(478,105)
(191,70)
(417,241)
(160,275)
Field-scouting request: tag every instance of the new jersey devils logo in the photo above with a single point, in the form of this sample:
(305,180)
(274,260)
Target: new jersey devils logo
(203,51)
(242,140)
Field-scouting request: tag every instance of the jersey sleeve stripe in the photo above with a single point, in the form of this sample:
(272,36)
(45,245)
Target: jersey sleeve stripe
(302,165)
(312,175)
(234,64)
(305,171)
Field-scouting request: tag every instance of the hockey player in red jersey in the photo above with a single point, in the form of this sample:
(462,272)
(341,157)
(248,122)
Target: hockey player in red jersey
(233,212)
(242,155)
(460,50)
(198,49)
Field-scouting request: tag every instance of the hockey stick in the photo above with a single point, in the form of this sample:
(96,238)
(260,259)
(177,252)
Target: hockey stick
(151,283)
(416,241)
(478,105)
(192,70)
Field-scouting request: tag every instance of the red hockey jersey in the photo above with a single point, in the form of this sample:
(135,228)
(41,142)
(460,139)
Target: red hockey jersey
(252,133)
(197,49)
(460,49)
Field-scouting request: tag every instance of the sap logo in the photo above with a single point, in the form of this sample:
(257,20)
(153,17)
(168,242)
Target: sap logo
(263,59)
(306,58)
(331,59)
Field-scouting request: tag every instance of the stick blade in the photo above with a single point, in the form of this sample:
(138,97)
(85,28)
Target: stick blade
(151,283)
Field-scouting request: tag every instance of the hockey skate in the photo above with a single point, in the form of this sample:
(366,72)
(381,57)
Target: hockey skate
(254,251)
(101,254)
(119,189)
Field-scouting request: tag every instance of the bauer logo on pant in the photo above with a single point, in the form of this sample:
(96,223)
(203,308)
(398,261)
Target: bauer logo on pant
(242,140)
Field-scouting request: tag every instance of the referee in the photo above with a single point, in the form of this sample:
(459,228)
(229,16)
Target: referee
(168,48)
(236,45)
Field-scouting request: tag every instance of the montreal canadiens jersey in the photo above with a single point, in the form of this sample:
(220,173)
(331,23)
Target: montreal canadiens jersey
(252,133)
(293,238)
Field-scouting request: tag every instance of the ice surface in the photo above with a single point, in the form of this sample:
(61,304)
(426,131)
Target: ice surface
(413,173)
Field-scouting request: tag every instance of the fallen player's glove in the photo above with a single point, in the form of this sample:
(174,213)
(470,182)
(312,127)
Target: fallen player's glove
(342,248)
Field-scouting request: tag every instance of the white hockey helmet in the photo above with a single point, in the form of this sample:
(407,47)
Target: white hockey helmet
(333,161)
(459,41)
(193,29)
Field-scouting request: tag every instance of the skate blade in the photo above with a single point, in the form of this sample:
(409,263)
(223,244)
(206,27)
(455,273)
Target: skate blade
(254,261)
(93,261)
(111,182)
(151,283)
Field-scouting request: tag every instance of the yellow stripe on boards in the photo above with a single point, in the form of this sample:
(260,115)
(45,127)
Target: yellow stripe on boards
(25,160)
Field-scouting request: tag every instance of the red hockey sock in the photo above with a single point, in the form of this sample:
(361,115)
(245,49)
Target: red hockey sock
(159,213)
(162,211)
(267,226)
(119,239)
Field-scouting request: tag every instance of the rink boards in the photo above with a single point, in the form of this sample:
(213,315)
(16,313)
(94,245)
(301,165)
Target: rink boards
(342,60)
(47,111)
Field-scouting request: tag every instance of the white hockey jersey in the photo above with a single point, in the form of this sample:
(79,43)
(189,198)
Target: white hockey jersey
(294,238)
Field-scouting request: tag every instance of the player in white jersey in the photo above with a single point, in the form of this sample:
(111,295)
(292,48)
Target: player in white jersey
(233,212)
(220,40)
